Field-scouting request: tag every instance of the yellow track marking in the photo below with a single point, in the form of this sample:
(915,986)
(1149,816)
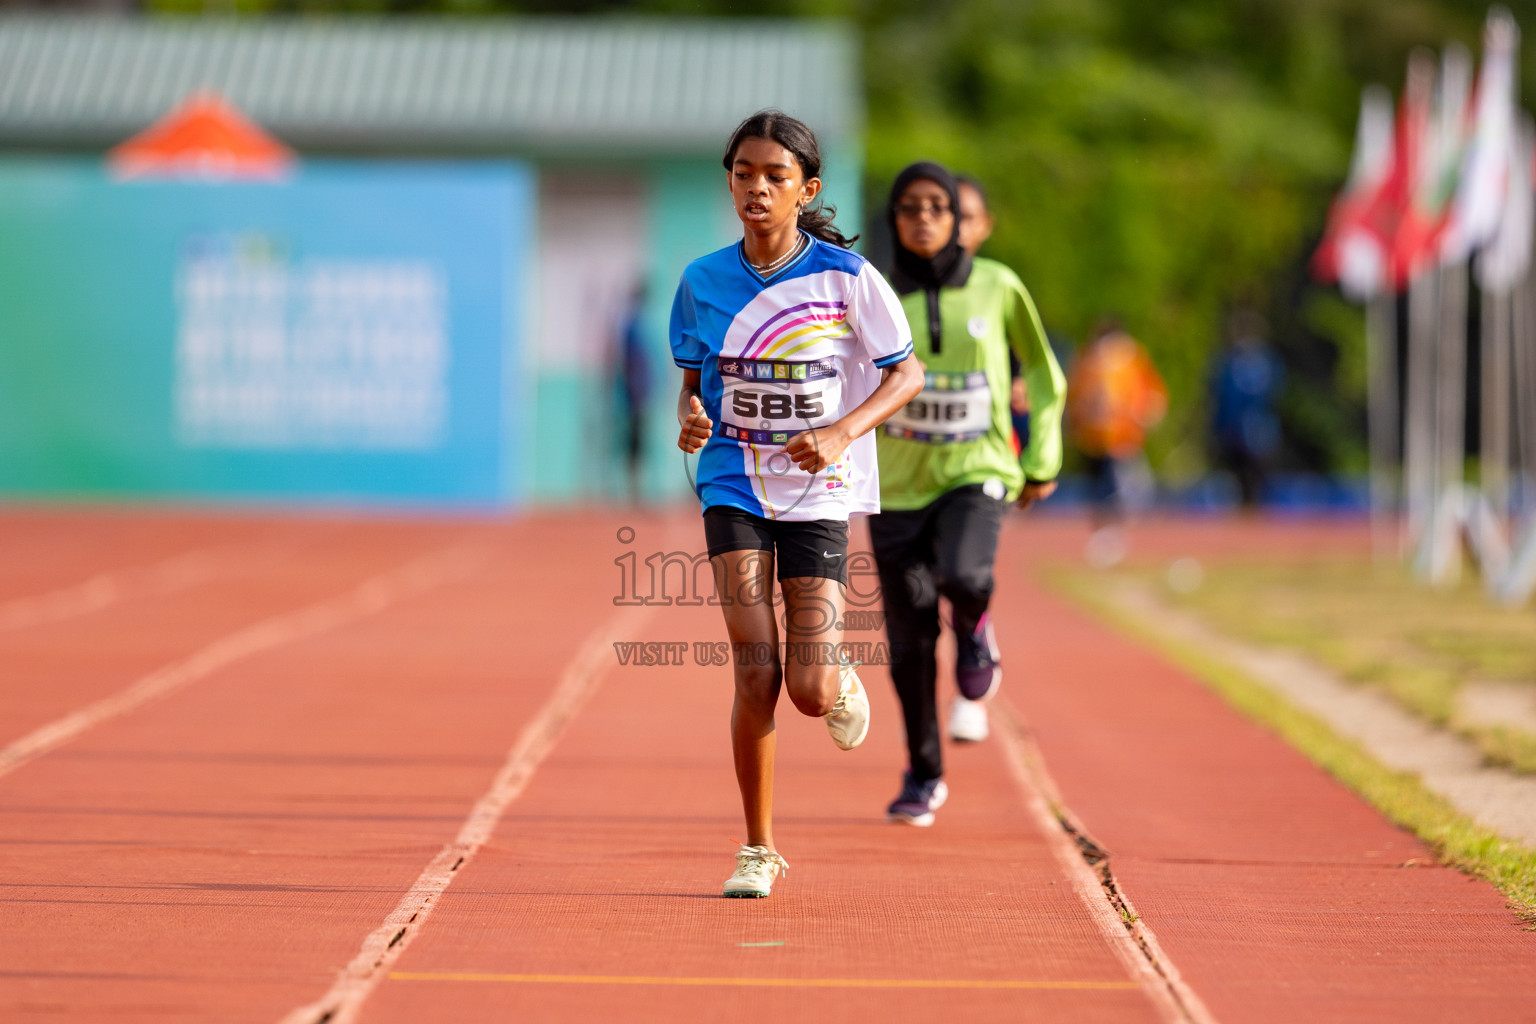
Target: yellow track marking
(615,979)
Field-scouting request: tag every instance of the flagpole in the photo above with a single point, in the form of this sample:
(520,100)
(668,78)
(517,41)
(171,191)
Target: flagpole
(1451,402)
(1524,352)
(1420,423)
(1382,419)
(1493,454)
(1520,581)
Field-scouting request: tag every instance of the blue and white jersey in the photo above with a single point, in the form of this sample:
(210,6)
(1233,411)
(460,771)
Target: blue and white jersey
(776,356)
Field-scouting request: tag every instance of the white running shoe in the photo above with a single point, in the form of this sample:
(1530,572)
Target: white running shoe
(848,721)
(756,869)
(968,721)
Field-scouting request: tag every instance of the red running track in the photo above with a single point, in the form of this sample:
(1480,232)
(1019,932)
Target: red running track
(221,849)
(1279,894)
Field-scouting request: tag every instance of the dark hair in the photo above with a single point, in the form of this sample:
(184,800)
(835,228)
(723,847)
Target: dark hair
(967,180)
(796,136)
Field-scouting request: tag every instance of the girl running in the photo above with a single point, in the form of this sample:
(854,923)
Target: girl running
(792,349)
(948,469)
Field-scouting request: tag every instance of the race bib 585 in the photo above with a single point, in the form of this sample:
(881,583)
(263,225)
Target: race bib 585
(768,401)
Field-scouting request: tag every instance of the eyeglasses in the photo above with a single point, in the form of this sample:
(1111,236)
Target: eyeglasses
(922,208)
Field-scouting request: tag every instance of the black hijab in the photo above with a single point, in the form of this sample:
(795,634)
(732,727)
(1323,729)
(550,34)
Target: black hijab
(950,267)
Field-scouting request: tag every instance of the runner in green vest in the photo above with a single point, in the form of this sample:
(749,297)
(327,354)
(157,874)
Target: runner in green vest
(947,466)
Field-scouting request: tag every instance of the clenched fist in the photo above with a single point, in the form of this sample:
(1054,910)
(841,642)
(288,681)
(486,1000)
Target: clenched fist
(815,450)
(697,427)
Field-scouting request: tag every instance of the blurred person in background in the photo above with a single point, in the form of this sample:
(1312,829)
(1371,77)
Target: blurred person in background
(1245,384)
(1115,396)
(634,380)
(975,228)
(975,215)
(948,469)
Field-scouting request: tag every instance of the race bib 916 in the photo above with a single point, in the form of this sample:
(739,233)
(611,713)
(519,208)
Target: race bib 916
(952,407)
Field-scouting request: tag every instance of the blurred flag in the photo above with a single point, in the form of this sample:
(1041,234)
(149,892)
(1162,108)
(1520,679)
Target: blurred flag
(205,137)
(1507,257)
(1385,234)
(1351,253)
(1416,245)
(1484,187)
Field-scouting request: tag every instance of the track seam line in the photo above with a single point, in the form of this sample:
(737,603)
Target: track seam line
(1041,984)
(104,589)
(367,598)
(384,945)
(1087,866)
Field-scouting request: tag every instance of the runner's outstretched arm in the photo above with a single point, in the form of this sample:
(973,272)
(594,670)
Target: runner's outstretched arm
(1047,389)
(815,450)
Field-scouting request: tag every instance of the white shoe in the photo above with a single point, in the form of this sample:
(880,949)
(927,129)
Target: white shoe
(848,721)
(968,721)
(756,869)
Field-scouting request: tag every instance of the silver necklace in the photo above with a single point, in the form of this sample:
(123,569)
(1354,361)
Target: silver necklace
(768,269)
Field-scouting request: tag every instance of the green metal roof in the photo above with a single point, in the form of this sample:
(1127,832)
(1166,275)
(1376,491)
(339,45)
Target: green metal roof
(429,84)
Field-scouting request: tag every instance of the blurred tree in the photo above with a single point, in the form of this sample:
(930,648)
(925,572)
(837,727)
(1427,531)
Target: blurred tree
(1163,162)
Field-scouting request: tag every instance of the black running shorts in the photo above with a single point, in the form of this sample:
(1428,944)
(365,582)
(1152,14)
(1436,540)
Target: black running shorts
(815,547)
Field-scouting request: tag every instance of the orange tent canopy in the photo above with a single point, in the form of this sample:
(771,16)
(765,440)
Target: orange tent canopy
(205,137)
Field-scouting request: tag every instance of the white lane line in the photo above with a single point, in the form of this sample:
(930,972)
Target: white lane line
(1174,1000)
(108,588)
(385,943)
(367,598)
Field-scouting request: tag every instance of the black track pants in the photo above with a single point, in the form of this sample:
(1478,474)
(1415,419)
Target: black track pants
(943,550)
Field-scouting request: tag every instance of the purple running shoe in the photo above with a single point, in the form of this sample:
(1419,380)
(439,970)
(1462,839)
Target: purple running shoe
(918,801)
(978,668)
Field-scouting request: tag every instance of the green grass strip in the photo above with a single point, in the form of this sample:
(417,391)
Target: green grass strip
(1455,838)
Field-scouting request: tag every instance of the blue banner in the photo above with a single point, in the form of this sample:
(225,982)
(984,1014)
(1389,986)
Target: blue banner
(350,335)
